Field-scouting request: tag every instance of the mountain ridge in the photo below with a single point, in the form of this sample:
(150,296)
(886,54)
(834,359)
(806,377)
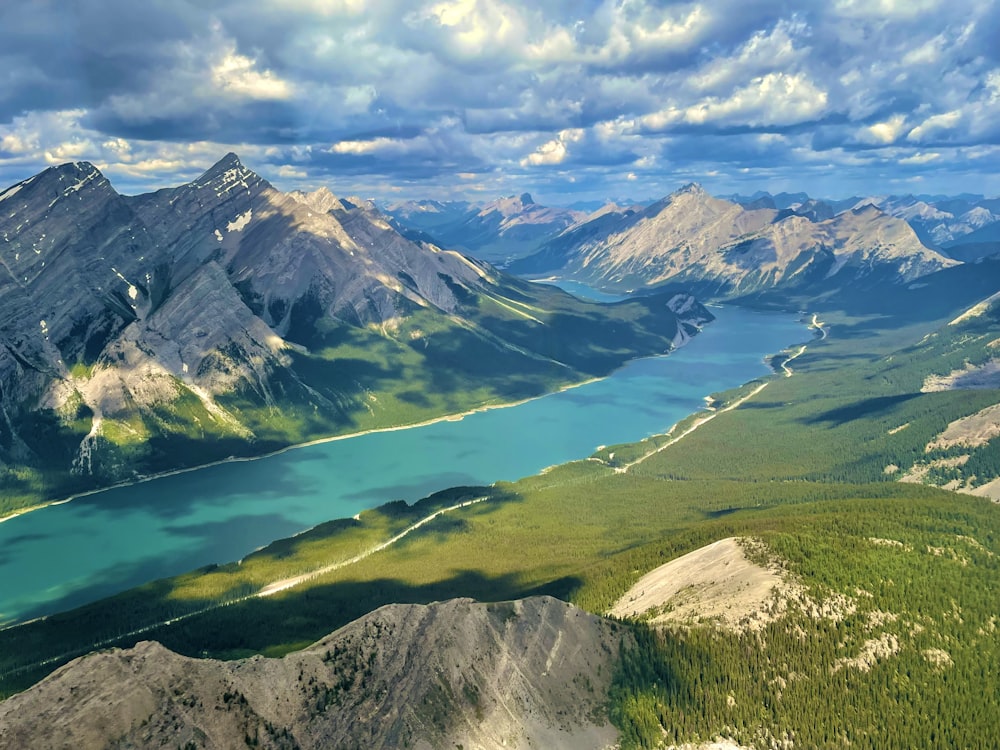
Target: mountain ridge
(691,237)
(526,673)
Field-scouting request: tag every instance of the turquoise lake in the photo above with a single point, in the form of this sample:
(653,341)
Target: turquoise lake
(66,555)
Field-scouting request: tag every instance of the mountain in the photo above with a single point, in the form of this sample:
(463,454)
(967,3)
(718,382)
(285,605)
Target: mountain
(496,231)
(223,317)
(726,248)
(526,673)
(944,222)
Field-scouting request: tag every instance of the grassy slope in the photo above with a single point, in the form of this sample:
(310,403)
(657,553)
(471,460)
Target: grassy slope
(800,465)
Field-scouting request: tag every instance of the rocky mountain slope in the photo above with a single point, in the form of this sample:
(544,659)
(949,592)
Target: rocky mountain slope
(944,222)
(527,673)
(964,227)
(497,231)
(730,249)
(144,333)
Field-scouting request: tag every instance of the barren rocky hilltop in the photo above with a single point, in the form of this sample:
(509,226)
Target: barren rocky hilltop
(528,673)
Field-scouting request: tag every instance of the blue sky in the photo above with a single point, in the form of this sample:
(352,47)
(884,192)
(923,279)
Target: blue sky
(567,99)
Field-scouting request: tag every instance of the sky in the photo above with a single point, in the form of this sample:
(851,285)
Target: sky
(566,99)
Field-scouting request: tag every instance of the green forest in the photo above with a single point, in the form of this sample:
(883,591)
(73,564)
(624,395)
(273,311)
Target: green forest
(910,659)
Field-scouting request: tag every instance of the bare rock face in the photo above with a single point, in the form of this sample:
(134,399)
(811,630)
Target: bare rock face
(690,236)
(528,673)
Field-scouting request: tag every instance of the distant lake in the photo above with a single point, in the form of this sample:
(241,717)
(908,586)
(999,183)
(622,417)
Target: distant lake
(67,555)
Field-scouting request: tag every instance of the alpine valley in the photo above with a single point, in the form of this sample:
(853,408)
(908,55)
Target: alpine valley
(810,561)
(223,318)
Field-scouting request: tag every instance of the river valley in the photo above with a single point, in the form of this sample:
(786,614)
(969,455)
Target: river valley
(69,554)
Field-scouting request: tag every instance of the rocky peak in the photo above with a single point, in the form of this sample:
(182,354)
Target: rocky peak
(228,175)
(526,199)
(321,200)
(867,210)
(227,162)
(75,180)
(692,188)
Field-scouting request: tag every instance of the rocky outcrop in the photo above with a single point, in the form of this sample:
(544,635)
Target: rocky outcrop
(529,673)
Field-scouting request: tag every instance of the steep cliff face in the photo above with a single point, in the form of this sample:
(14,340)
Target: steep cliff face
(71,247)
(690,236)
(529,673)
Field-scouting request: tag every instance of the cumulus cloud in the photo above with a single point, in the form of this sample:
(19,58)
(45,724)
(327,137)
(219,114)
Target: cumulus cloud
(558,95)
(554,151)
(775,99)
(238,75)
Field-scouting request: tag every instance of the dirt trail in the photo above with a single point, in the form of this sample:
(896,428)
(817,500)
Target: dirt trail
(287,583)
(816,324)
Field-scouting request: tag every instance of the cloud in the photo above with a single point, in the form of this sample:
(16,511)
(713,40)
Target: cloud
(418,92)
(935,126)
(554,151)
(775,99)
(372,146)
(888,131)
(886,9)
(237,75)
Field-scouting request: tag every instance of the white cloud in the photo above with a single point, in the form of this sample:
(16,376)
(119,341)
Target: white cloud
(928,53)
(321,7)
(671,32)
(118,146)
(935,125)
(467,30)
(147,167)
(14,143)
(885,9)
(238,74)
(554,151)
(921,158)
(366,147)
(289,172)
(776,99)
(764,52)
(885,132)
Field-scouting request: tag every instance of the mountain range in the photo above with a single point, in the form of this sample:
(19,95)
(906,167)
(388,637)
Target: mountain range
(221,317)
(145,333)
(531,239)
(498,231)
(724,248)
(940,221)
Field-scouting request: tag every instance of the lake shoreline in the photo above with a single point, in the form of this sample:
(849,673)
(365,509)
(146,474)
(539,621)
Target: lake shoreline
(455,417)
